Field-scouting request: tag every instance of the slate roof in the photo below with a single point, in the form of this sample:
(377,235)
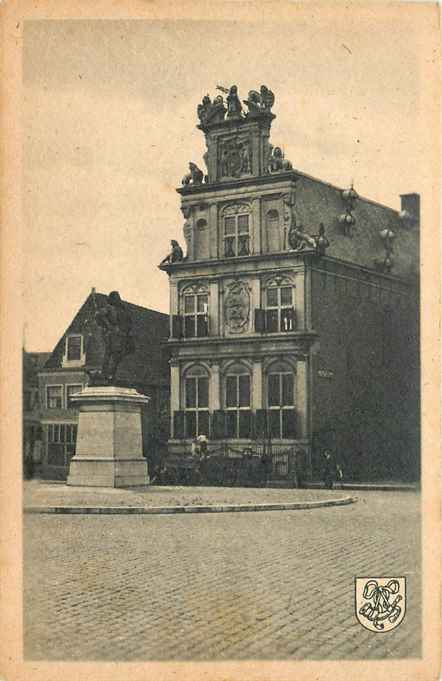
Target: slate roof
(317,201)
(32,363)
(147,365)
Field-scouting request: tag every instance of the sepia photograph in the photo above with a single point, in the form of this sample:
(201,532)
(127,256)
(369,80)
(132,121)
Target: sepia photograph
(225,285)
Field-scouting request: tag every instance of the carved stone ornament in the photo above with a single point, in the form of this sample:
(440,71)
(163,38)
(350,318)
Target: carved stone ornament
(237,307)
(277,162)
(211,112)
(176,254)
(197,287)
(195,176)
(235,157)
(298,239)
(259,102)
(236,209)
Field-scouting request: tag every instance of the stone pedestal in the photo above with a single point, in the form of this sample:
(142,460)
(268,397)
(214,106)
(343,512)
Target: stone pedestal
(109,451)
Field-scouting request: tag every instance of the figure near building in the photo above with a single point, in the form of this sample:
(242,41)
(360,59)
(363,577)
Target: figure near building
(115,321)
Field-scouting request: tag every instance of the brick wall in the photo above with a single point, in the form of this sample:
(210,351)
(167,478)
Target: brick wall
(365,373)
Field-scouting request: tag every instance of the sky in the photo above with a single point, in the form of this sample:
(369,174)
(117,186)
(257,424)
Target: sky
(109,116)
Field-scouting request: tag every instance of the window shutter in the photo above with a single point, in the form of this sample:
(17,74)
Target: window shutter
(202,326)
(289,423)
(176,326)
(260,424)
(218,425)
(288,319)
(178,425)
(272,325)
(260,320)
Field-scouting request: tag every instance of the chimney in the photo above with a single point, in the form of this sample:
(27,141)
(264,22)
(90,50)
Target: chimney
(410,210)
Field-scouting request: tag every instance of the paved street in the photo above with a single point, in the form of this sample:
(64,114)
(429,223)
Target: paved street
(226,586)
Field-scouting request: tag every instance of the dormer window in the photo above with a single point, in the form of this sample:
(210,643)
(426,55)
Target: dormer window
(74,351)
(73,347)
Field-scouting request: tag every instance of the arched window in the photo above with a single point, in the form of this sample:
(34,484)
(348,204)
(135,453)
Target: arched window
(195,302)
(196,402)
(236,234)
(279,303)
(281,401)
(237,389)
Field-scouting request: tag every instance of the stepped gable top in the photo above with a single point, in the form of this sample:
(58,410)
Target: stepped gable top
(148,364)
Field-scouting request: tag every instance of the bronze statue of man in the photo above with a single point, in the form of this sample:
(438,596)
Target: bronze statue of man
(116,323)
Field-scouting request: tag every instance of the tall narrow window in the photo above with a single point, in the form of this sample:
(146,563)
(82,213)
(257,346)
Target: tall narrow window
(54,397)
(281,402)
(195,314)
(61,439)
(236,235)
(280,314)
(196,400)
(237,403)
(73,348)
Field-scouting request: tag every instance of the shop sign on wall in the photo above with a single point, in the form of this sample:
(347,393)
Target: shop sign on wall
(326,373)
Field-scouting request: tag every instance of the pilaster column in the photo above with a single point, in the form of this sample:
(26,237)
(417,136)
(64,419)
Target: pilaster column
(255,286)
(173,303)
(214,308)
(300,300)
(307,296)
(256,222)
(214,388)
(257,395)
(301,398)
(213,231)
(174,391)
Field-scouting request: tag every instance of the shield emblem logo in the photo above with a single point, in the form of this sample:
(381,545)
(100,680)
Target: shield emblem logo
(380,602)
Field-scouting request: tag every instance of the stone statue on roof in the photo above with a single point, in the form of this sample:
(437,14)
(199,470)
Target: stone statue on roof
(259,102)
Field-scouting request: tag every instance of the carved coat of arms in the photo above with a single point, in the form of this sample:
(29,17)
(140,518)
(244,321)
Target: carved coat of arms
(380,602)
(235,157)
(237,307)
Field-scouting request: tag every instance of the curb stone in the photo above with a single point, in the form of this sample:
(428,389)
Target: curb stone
(167,510)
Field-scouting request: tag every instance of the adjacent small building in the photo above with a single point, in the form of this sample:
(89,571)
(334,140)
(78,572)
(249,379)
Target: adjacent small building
(294,316)
(80,350)
(32,431)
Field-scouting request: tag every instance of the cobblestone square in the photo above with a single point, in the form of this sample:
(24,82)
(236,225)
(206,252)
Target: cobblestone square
(276,585)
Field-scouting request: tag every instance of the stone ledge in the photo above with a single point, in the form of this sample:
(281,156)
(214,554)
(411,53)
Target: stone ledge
(165,510)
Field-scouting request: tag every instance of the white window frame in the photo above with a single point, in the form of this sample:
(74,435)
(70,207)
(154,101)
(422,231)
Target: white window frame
(195,314)
(66,397)
(54,385)
(281,408)
(74,362)
(236,211)
(237,408)
(279,307)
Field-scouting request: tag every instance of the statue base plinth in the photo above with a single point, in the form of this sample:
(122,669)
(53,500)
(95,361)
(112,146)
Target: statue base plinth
(109,450)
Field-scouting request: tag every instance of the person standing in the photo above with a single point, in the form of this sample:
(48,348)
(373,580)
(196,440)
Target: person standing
(329,469)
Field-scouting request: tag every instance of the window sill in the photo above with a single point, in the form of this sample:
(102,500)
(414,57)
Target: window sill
(246,337)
